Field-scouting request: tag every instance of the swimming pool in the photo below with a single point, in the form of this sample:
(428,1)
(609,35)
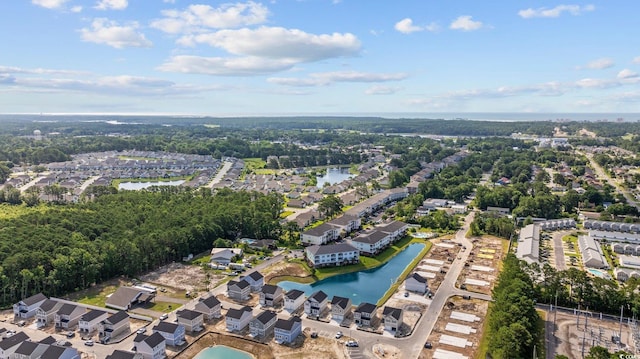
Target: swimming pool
(599,273)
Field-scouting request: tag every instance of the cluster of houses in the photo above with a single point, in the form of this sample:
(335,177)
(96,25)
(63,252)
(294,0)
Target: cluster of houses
(20,346)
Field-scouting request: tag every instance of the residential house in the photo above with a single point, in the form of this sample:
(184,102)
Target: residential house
(153,346)
(90,320)
(392,318)
(68,316)
(114,325)
(271,295)
(126,297)
(316,304)
(26,308)
(9,345)
(529,244)
(209,307)
(238,290)
(190,319)
(346,223)
(293,300)
(46,313)
(416,283)
(319,235)
(395,229)
(29,350)
(332,255)
(121,354)
(173,333)
(364,314)
(340,308)
(255,280)
(224,256)
(371,243)
(238,319)
(499,210)
(262,324)
(60,352)
(287,330)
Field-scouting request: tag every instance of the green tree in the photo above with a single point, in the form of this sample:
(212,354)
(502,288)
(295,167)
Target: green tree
(330,205)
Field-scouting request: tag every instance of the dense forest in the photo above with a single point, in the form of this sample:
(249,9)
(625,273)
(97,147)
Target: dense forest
(58,249)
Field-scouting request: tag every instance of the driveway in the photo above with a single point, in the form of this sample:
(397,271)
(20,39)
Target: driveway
(558,250)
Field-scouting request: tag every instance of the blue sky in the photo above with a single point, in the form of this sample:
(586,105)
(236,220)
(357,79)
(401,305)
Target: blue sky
(318,56)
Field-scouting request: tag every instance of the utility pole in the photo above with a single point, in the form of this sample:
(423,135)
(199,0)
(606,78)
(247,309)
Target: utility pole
(621,313)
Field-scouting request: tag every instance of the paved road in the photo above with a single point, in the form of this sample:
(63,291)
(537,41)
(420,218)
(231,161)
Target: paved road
(558,250)
(220,174)
(602,174)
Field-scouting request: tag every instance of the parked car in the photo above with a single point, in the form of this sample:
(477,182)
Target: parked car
(141,330)
(314,335)
(428,345)
(164,316)
(351,343)
(71,334)
(466,297)
(339,335)
(406,294)
(89,343)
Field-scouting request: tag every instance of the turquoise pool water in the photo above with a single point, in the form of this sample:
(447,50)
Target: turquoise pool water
(222,352)
(599,273)
(364,286)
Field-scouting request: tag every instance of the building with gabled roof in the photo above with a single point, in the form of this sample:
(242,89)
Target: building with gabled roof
(287,330)
(239,290)
(262,324)
(27,307)
(126,297)
(90,320)
(316,304)
(340,308)
(293,300)
(238,319)
(46,312)
(115,324)
(192,320)
(174,334)
(529,244)
(392,318)
(271,295)
(210,307)
(153,346)
(364,314)
(332,255)
(416,283)
(255,280)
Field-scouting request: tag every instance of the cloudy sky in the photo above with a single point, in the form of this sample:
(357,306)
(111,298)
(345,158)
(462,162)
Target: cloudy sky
(318,56)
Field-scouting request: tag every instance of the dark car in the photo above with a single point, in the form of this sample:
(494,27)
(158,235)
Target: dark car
(428,345)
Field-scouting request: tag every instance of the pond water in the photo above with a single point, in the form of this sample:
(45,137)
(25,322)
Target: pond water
(364,286)
(222,352)
(134,186)
(334,175)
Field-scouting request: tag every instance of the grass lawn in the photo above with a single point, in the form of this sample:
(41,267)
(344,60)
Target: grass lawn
(116,182)
(93,296)
(285,214)
(163,307)
(252,164)
(406,272)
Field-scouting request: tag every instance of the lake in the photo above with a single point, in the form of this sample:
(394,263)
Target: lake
(364,286)
(222,352)
(334,175)
(134,186)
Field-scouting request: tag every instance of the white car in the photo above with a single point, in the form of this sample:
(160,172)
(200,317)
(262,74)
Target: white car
(338,335)
(89,343)
(141,330)
(164,316)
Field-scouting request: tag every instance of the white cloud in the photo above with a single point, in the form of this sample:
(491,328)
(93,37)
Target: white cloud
(76,9)
(104,31)
(112,4)
(627,74)
(432,27)
(556,11)
(220,66)
(636,60)
(198,18)
(169,1)
(39,71)
(599,64)
(406,26)
(49,4)
(381,90)
(327,78)
(465,23)
(279,43)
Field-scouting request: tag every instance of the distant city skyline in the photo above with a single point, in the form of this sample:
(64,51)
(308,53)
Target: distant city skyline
(348,57)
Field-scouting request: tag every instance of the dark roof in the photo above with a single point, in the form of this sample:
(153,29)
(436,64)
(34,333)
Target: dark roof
(91,315)
(48,340)
(394,312)
(319,230)
(255,275)
(121,354)
(294,294)
(269,289)
(287,324)
(318,296)
(67,309)
(365,307)
(166,327)
(49,305)
(211,302)
(2,330)
(371,237)
(418,277)
(240,284)
(26,348)
(139,337)
(124,296)
(331,248)
(266,316)
(237,313)
(34,299)
(393,226)
(341,302)
(13,340)
(118,317)
(154,339)
(55,352)
(188,314)
(343,220)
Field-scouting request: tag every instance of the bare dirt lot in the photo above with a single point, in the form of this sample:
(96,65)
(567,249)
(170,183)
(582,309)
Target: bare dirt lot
(183,277)
(284,268)
(569,335)
(474,307)
(440,253)
(487,254)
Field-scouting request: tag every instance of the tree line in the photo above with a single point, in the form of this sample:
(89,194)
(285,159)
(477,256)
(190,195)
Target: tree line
(56,249)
